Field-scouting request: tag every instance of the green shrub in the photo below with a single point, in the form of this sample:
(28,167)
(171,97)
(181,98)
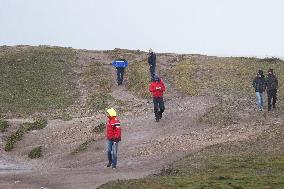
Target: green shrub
(37,125)
(82,147)
(13,138)
(3,125)
(99,128)
(24,128)
(35,152)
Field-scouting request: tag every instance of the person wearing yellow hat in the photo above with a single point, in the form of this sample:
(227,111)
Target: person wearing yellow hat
(113,136)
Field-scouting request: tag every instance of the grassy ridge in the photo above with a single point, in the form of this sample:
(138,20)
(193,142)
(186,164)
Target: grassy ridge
(138,79)
(182,77)
(24,128)
(36,79)
(230,80)
(99,84)
(256,163)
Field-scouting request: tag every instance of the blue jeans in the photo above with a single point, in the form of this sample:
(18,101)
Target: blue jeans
(119,73)
(259,100)
(159,106)
(112,152)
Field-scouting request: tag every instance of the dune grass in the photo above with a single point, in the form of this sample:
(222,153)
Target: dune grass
(256,163)
(35,152)
(24,128)
(229,79)
(36,79)
(182,76)
(3,125)
(99,82)
(82,147)
(138,79)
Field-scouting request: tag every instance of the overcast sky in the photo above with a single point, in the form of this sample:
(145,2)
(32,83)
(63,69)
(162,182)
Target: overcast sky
(212,27)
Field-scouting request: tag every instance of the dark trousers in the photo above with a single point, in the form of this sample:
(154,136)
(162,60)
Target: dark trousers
(119,72)
(152,72)
(271,96)
(159,107)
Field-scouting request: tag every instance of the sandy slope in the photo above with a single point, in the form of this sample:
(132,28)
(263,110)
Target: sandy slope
(146,146)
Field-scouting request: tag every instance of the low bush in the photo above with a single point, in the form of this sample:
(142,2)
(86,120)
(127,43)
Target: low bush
(24,128)
(35,152)
(3,125)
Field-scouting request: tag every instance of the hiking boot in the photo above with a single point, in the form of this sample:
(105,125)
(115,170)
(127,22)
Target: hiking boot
(109,164)
(157,119)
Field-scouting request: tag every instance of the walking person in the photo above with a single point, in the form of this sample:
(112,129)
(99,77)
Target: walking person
(120,64)
(157,88)
(271,87)
(259,86)
(113,136)
(152,63)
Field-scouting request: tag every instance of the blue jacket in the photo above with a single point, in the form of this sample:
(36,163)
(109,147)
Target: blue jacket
(120,63)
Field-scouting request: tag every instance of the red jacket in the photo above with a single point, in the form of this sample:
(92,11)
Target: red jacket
(157,88)
(113,130)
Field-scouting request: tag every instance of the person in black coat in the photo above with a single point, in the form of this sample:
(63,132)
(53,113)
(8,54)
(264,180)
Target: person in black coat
(271,87)
(152,63)
(259,86)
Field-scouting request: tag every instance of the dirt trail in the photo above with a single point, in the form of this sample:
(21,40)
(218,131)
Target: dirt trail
(146,146)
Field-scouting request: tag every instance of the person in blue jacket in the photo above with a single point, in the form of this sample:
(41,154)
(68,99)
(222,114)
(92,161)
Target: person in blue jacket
(120,64)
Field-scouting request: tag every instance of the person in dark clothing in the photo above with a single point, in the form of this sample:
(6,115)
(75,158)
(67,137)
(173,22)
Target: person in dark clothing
(152,63)
(157,88)
(271,87)
(120,64)
(259,86)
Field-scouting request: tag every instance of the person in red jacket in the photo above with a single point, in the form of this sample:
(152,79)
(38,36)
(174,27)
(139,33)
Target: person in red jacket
(157,88)
(113,136)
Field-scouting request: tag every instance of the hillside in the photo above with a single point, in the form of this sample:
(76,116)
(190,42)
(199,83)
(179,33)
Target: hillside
(212,135)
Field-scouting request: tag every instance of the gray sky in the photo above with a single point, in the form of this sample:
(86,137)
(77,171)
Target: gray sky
(212,27)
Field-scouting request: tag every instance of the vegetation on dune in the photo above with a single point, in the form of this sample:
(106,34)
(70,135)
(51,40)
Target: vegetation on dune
(255,163)
(183,78)
(3,125)
(35,152)
(36,79)
(99,128)
(82,147)
(99,86)
(24,128)
(229,79)
(138,79)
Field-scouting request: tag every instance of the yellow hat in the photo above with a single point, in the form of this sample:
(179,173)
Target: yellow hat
(111,112)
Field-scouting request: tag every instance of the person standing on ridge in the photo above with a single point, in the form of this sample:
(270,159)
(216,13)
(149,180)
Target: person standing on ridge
(259,86)
(152,63)
(157,88)
(271,87)
(120,64)
(113,136)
